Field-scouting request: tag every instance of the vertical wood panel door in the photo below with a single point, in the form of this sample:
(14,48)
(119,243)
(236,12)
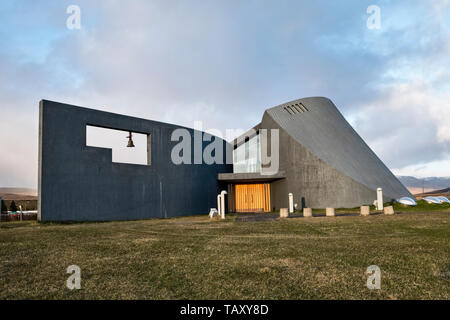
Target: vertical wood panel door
(252,197)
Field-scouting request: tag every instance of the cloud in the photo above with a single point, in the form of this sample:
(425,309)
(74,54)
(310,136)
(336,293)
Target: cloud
(431,169)
(406,124)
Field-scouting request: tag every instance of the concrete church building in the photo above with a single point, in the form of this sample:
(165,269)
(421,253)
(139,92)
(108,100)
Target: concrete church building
(322,161)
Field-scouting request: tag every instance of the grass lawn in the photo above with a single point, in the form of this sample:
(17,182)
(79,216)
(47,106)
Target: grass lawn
(195,258)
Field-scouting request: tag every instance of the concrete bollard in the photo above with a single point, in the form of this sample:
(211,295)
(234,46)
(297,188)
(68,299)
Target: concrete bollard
(284,213)
(330,212)
(365,210)
(291,202)
(307,212)
(389,210)
(222,204)
(219,203)
(379,199)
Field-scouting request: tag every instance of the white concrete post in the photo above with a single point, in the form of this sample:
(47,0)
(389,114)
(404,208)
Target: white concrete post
(21,213)
(219,204)
(379,199)
(291,203)
(222,206)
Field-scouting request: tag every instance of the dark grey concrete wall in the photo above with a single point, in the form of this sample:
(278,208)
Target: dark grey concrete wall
(327,164)
(80,183)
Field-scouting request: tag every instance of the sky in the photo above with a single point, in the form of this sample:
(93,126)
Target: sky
(224,63)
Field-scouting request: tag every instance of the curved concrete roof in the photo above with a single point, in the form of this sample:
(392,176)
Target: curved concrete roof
(318,125)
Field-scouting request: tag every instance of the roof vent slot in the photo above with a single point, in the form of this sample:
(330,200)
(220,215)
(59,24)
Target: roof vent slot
(303,107)
(288,110)
(293,111)
(296,108)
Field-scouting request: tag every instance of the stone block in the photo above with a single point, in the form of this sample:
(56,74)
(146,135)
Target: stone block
(307,212)
(284,213)
(365,210)
(389,210)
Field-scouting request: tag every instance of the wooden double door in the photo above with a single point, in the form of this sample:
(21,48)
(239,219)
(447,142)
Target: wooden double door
(252,197)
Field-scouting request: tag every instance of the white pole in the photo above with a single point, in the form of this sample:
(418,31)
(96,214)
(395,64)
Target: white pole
(379,199)
(222,206)
(218,204)
(21,213)
(291,203)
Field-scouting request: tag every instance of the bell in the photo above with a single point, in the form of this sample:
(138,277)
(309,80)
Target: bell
(130,141)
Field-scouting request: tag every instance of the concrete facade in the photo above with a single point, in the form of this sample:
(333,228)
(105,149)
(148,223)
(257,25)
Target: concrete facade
(324,160)
(81,183)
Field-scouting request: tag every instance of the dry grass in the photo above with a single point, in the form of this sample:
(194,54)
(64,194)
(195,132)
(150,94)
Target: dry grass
(194,258)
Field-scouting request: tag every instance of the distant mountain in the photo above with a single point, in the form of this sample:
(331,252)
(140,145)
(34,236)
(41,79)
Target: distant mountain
(18,191)
(442,191)
(435,193)
(415,185)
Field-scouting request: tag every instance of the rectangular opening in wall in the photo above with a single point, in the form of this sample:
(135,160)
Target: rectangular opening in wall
(118,141)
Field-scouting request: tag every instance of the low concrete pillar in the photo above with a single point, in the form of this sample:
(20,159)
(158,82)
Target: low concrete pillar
(379,199)
(330,212)
(291,202)
(284,213)
(365,210)
(222,204)
(307,212)
(219,203)
(389,210)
